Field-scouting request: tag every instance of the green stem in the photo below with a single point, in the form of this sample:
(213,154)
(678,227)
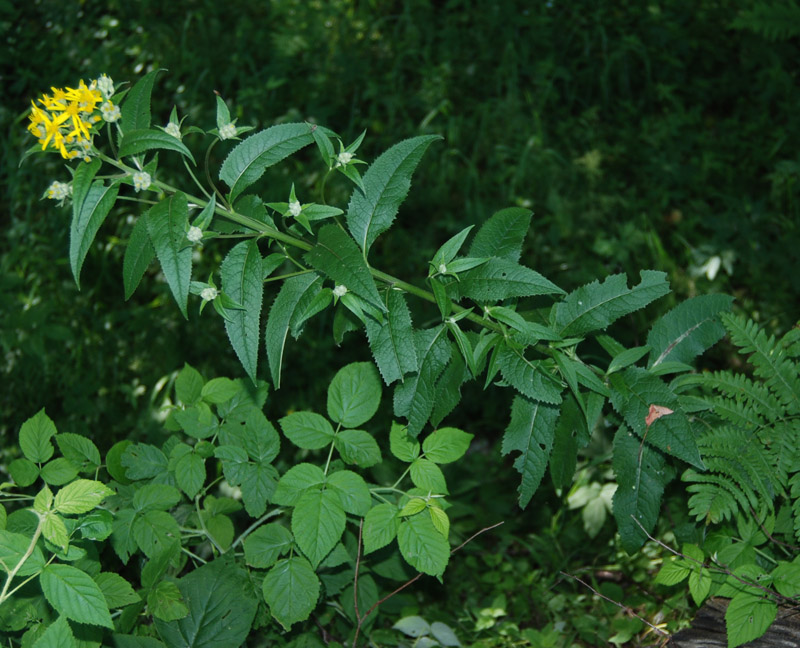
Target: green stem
(255,525)
(194,177)
(4,594)
(203,526)
(287,276)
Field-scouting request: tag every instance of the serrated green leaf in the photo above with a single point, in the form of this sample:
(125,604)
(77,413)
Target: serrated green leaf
(748,617)
(75,595)
(307,430)
(688,329)
(295,482)
(136,106)
(413,626)
(291,589)
(260,479)
(428,476)
(414,398)
(354,394)
(86,221)
(139,253)
(13,547)
(155,497)
(318,522)
(286,304)
(264,546)
(380,526)
(627,358)
(502,235)
(391,341)
(165,603)
(642,475)
(188,385)
(242,281)
(448,389)
(144,139)
(80,451)
(219,390)
(248,160)
(337,256)
(81,496)
(34,437)
(386,184)
(499,279)
(57,635)
(352,490)
(357,447)
(55,531)
(58,472)
(23,471)
(167,223)
(116,590)
(672,572)
(571,433)
(422,546)
(440,520)
(412,507)
(401,444)
(97,525)
(446,445)
(222,606)
(143,461)
(671,433)
(190,473)
(197,421)
(530,432)
(596,305)
(156,532)
(527,376)
(447,252)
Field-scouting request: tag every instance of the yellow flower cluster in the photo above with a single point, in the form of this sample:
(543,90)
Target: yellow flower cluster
(65,118)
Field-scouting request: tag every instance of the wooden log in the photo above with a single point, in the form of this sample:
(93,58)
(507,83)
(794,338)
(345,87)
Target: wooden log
(708,629)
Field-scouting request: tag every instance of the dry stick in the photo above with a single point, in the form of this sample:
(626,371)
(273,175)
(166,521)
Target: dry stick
(407,583)
(766,533)
(617,603)
(724,570)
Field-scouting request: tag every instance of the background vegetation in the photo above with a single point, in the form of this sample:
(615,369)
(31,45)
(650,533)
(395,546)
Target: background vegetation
(657,135)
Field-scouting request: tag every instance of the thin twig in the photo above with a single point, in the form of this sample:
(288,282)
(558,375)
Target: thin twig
(358,562)
(408,582)
(618,604)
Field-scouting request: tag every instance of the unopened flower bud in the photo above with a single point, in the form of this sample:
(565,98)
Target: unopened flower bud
(340,291)
(110,112)
(295,208)
(209,294)
(195,234)
(141,180)
(228,131)
(173,129)
(344,158)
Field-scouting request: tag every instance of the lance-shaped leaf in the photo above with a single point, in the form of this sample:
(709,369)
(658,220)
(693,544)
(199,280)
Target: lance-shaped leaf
(136,107)
(87,217)
(571,434)
(527,376)
(596,305)
(247,162)
(392,341)
(290,300)
(414,398)
(337,256)
(688,329)
(242,274)
(386,184)
(499,279)
(641,474)
(636,390)
(138,256)
(144,139)
(167,225)
(502,235)
(530,432)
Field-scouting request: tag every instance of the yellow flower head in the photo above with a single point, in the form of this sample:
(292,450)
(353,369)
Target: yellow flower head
(65,118)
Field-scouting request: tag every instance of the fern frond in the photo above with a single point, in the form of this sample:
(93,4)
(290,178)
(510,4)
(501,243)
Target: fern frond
(757,398)
(783,441)
(714,498)
(791,342)
(795,486)
(775,22)
(780,374)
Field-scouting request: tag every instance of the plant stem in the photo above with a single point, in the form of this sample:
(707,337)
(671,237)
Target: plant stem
(4,594)
(254,526)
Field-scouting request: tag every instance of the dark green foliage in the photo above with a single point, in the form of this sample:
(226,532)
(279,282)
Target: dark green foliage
(752,452)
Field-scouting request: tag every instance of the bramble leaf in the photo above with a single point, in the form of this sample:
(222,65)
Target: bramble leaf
(75,595)
(422,546)
(354,394)
(291,589)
